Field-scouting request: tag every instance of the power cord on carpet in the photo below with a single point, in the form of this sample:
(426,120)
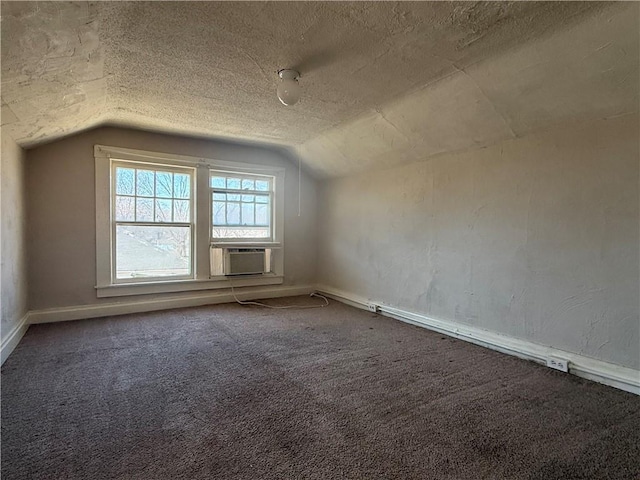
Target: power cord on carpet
(314,294)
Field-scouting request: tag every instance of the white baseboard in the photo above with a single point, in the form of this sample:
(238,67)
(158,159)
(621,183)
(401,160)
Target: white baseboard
(596,370)
(164,303)
(11,340)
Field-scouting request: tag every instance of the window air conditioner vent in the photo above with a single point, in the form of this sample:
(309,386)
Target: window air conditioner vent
(244,261)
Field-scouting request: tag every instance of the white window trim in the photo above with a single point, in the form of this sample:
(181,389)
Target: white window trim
(107,287)
(217,241)
(192,224)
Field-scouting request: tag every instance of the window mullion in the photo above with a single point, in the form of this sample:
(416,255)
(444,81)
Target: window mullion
(135,194)
(154,200)
(154,224)
(112,223)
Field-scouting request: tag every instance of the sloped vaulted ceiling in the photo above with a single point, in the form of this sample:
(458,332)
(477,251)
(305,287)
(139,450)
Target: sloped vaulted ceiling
(383,83)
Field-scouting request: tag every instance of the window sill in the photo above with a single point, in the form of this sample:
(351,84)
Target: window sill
(236,244)
(126,289)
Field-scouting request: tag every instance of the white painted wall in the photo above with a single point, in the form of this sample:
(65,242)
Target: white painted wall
(536,238)
(13,278)
(61,193)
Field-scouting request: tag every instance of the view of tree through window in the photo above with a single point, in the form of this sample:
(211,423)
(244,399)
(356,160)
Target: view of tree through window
(152,209)
(241,206)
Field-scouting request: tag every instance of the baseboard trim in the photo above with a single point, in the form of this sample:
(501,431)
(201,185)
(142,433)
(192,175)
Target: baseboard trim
(81,312)
(623,378)
(10,342)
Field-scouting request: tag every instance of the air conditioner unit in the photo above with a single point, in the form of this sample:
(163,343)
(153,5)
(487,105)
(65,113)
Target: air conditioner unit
(244,261)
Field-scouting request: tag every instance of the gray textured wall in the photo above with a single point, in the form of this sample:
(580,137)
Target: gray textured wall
(61,192)
(536,238)
(13,281)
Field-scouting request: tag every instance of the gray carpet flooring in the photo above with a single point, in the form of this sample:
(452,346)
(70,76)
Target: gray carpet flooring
(236,392)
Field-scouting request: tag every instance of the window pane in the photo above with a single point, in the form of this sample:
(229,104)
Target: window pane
(125,209)
(125,181)
(218,182)
(144,183)
(163,210)
(262,214)
(248,214)
(152,251)
(144,210)
(181,185)
(181,212)
(219,209)
(236,215)
(164,184)
(233,213)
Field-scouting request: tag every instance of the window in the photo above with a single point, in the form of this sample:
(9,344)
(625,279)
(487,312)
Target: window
(152,221)
(170,223)
(241,207)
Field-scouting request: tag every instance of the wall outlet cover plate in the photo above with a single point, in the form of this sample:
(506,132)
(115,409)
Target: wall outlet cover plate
(558,364)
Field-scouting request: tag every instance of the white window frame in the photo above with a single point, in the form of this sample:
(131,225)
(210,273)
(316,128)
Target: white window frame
(114,222)
(106,286)
(271,192)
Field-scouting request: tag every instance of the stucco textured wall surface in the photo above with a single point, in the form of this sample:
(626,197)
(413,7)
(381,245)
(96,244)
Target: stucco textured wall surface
(13,281)
(61,192)
(536,238)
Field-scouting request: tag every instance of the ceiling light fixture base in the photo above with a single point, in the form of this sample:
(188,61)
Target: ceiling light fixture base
(288,74)
(289,88)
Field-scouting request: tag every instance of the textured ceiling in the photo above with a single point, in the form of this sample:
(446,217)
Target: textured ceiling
(383,83)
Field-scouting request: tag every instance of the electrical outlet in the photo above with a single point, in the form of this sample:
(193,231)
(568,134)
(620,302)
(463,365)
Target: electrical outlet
(373,307)
(558,364)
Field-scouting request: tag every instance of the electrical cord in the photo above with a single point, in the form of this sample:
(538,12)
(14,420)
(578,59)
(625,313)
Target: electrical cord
(284,307)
